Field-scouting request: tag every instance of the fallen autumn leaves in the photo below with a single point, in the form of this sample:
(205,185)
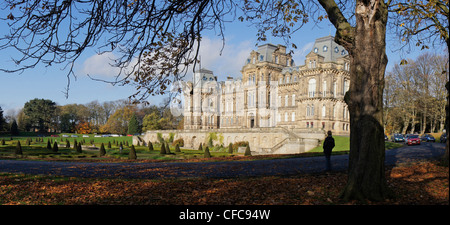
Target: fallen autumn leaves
(424,183)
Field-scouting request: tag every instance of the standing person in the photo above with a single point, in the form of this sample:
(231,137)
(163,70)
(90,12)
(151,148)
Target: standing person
(328,146)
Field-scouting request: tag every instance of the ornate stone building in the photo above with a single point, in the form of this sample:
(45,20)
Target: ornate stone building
(274,92)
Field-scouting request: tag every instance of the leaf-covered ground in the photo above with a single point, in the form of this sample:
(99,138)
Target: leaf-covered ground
(421,183)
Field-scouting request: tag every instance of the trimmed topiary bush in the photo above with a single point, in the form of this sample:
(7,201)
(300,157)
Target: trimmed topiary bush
(102,151)
(132,154)
(207,153)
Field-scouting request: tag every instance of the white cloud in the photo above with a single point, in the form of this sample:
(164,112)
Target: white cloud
(101,65)
(229,62)
(299,54)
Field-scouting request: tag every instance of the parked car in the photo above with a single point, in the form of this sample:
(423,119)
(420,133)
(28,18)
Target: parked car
(427,138)
(443,138)
(73,135)
(65,135)
(85,135)
(413,140)
(397,138)
(54,135)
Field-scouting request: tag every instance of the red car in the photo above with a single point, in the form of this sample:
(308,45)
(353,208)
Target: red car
(413,140)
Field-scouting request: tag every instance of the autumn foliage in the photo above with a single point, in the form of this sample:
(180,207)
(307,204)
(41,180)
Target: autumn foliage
(423,183)
(83,128)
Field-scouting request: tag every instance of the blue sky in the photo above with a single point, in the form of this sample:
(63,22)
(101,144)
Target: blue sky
(50,82)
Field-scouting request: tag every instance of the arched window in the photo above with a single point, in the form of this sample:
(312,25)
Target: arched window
(311,87)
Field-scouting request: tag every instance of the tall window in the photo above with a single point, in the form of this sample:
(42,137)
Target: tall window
(324,88)
(323,111)
(308,111)
(286,116)
(293,116)
(334,89)
(311,87)
(293,100)
(286,99)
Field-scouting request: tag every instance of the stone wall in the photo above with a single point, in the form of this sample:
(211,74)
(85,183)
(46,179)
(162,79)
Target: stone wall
(261,140)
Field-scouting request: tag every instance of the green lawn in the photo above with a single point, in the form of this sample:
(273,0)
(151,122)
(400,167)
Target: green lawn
(38,149)
(342,145)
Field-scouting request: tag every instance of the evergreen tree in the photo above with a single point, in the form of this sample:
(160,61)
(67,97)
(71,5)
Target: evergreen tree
(109,145)
(75,145)
(3,141)
(163,149)
(168,149)
(200,147)
(133,125)
(18,150)
(49,145)
(150,146)
(230,148)
(132,154)
(55,147)
(79,149)
(67,143)
(14,128)
(247,151)
(102,150)
(177,148)
(207,154)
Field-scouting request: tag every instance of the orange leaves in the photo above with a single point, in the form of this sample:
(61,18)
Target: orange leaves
(83,128)
(420,183)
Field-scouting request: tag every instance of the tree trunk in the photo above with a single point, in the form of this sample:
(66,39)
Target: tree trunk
(366,175)
(447,120)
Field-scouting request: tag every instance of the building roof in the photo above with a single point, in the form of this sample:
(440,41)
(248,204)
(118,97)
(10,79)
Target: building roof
(330,50)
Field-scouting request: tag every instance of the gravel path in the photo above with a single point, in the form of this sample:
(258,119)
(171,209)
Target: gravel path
(211,169)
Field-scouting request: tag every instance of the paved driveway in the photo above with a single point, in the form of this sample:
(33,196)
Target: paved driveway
(211,169)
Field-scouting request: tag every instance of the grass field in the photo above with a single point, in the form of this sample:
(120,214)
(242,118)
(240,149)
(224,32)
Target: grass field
(37,149)
(342,145)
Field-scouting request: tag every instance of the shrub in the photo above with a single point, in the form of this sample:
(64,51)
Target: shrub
(207,154)
(102,150)
(132,154)
(179,142)
(49,145)
(168,149)
(200,147)
(109,145)
(239,144)
(75,145)
(55,147)
(230,148)
(177,148)
(18,150)
(67,143)
(150,146)
(79,150)
(247,151)
(163,149)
